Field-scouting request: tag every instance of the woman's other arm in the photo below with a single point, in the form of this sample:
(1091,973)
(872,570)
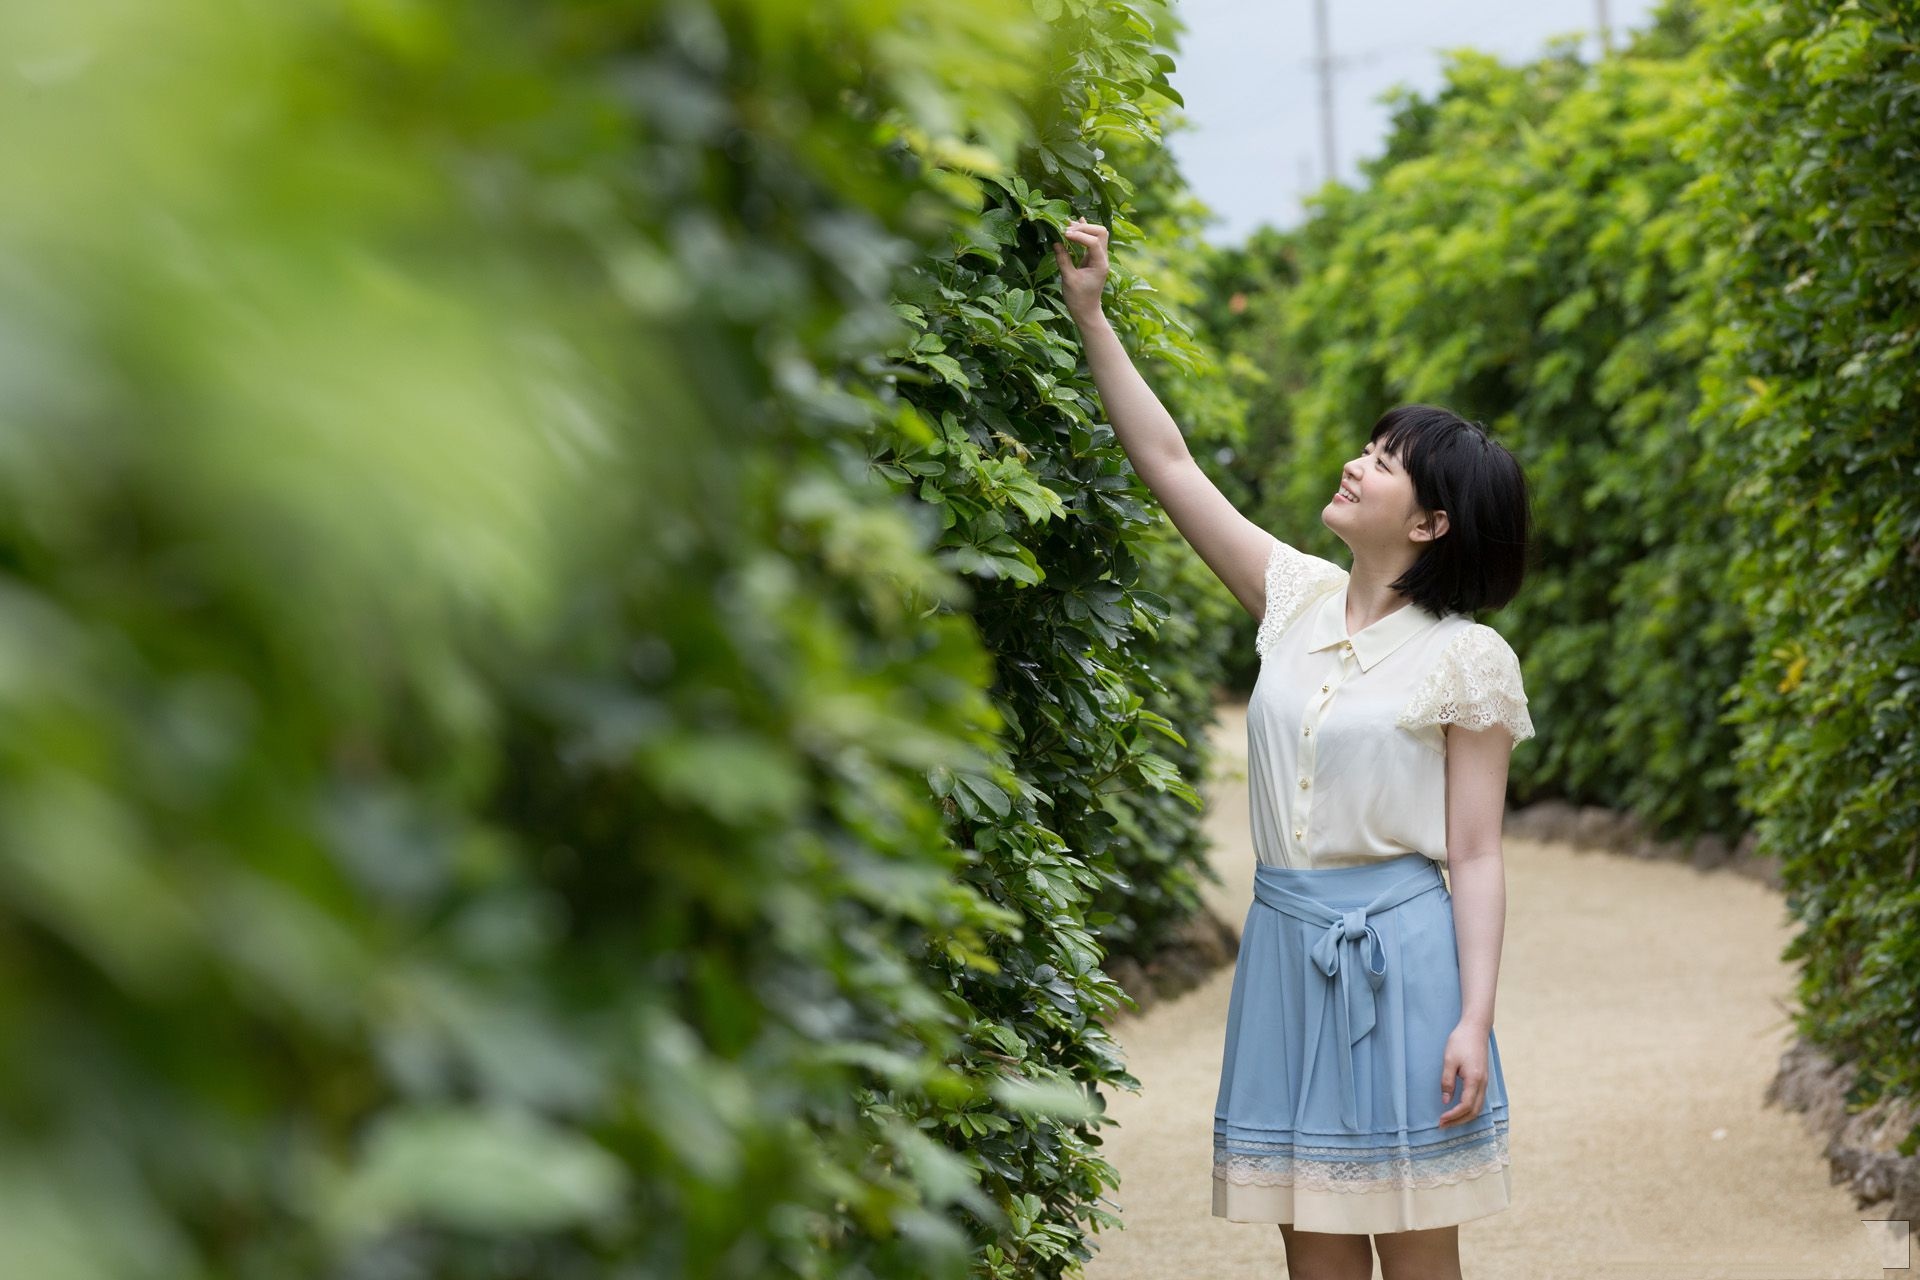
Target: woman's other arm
(1234,547)
(1477,880)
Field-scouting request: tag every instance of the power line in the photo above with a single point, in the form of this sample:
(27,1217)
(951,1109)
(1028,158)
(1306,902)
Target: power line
(1456,38)
(1323,59)
(1325,64)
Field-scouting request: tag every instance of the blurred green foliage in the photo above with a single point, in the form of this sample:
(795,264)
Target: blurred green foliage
(1683,284)
(470,690)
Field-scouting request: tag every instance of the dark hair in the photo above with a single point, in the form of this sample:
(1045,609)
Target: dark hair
(1458,467)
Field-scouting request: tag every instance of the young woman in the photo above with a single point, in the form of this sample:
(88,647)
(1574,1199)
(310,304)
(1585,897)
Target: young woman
(1361,1105)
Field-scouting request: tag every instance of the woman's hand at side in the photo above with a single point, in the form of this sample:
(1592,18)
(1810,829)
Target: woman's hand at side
(1082,285)
(1464,1073)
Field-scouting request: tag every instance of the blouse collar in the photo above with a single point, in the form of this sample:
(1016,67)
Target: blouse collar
(1373,642)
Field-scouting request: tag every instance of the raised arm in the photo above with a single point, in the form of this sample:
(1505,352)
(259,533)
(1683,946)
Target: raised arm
(1234,547)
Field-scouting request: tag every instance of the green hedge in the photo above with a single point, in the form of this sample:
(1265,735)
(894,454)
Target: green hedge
(472,692)
(1109,633)
(1808,191)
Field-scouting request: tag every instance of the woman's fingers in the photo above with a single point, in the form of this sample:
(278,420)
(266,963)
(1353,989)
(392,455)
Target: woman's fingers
(1473,1097)
(1091,238)
(1471,1090)
(1096,249)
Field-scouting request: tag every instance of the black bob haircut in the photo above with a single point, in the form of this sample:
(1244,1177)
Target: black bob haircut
(1458,467)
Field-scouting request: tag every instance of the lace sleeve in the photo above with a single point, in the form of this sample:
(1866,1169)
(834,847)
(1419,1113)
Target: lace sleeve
(1294,580)
(1476,683)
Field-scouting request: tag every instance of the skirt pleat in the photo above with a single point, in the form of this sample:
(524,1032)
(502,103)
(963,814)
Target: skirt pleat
(1351,1143)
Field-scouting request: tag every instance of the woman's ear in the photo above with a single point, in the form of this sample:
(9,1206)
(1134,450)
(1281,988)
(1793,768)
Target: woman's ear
(1433,527)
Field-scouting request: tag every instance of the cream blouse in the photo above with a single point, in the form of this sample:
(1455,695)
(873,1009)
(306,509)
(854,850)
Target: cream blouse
(1346,750)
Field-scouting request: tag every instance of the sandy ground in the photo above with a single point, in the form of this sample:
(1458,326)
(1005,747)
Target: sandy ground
(1642,1009)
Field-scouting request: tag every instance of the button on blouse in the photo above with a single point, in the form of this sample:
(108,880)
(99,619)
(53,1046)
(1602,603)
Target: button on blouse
(1345,734)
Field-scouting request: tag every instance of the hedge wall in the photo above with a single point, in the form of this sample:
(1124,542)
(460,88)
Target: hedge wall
(1108,631)
(471,693)
(1809,193)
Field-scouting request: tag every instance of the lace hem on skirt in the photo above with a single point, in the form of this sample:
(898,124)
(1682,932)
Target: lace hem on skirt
(1363,1169)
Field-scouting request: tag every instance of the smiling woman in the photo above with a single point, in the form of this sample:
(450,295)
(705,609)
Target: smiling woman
(1350,766)
(1361,1089)
(1430,477)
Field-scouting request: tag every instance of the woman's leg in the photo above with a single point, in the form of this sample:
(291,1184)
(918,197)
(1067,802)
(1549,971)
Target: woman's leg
(1325,1255)
(1420,1255)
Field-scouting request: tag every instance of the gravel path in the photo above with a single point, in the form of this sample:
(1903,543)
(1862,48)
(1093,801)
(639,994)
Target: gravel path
(1642,1009)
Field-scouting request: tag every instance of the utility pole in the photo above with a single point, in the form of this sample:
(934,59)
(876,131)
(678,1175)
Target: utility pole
(1323,62)
(1606,29)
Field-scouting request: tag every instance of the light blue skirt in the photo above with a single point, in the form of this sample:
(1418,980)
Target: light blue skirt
(1328,1114)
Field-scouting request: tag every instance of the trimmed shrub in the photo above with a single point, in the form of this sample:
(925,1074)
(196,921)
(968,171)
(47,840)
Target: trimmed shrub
(1807,192)
(473,692)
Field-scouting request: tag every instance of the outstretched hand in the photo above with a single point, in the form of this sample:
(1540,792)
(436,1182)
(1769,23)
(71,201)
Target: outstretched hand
(1081,285)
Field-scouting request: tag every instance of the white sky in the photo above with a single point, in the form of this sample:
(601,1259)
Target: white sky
(1252,144)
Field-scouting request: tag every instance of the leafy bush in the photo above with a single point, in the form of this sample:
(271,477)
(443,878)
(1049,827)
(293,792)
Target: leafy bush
(1807,192)
(470,705)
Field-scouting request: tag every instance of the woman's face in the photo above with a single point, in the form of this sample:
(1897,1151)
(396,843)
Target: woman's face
(1383,510)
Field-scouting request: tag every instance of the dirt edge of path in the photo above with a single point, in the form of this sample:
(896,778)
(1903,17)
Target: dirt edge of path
(1862,1149)
(1595,826)
(1203,943)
